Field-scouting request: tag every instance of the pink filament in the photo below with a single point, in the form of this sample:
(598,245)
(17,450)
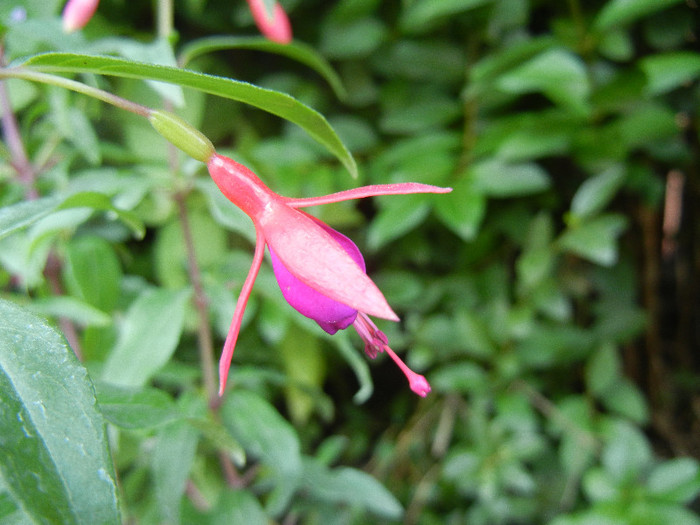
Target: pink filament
(376,342)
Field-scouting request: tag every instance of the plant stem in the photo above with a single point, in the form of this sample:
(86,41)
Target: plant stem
(204,337)
(66,83)
(27,174)
(164,15)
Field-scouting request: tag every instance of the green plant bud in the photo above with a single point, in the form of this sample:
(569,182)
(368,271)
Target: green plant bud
(182,134)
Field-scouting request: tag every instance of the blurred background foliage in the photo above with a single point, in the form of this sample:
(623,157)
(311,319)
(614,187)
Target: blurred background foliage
(551,299)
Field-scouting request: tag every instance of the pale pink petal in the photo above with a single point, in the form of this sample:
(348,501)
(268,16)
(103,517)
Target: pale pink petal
(403,188)
(230,344)
(317,260)
(77,13)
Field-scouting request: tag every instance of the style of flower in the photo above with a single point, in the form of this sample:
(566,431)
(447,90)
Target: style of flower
(272,20)
(77,13)
(321,272)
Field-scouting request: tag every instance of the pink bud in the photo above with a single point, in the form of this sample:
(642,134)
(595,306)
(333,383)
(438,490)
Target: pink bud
(77,13)
(272,22)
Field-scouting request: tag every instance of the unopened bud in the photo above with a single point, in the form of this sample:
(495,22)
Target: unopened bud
(77,13)
(182,134)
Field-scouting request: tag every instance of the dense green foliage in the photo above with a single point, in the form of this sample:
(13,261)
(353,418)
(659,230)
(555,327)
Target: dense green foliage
(532,297)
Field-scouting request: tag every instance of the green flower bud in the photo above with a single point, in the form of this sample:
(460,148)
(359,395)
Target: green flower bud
(182,134)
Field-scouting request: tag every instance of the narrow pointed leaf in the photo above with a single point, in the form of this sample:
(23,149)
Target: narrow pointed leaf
(295,50)
(54,462)
(274,102)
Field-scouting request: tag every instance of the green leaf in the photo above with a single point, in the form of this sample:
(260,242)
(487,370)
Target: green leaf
(495,178)
(463,210)
(295,50)
(351,39)
(670,70)
(676,480)
(273,102)
(22,214)
(349,486)
(557,73)
(596,192)
(132,408)
(359,367)
(620,12)
(92,271)
(173,455)
(398,217)
(219,436)
(55,462)
(159,51)
(266,435)
(238,506)
(624,398)
(99,201)
(595,240)
(467,377)
(603,369)
(626,452)
(149,335)
(71,308)
(419,15)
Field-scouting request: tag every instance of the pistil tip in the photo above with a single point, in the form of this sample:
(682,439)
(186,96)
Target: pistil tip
(419,384)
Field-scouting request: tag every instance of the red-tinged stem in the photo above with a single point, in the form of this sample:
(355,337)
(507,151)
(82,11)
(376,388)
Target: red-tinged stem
(403,188)
(230,344)
(66,83)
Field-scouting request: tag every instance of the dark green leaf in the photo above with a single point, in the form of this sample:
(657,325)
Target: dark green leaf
(295,50)
(624,398)
(350,487)
(595,240)
(670,70)
(619,12)
(460,377)
(596,192)
(273,102)
(92,272)
(398,217)
(55,461)
(421,14)
(559,74)
(496,178)
(463,210)
(603,369)
(353,39)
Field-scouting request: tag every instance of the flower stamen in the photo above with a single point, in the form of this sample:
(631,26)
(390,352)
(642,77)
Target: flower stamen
(376,342)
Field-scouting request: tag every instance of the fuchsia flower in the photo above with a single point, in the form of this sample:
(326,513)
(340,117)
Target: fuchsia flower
(272,20)
(77,13)
(321,272)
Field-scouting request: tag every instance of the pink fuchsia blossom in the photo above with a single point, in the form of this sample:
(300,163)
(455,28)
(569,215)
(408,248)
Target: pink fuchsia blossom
(321,272)
(272,20)
(77,13)
(333,316)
